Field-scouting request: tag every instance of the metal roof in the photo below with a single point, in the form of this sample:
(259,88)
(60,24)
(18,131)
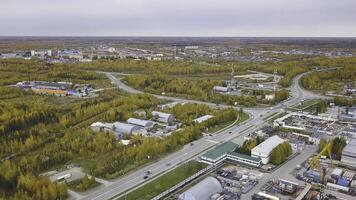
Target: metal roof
(163,116)
(203,190)
(266,147)
(125,128)
(203,118)
(220,150)
(140,122)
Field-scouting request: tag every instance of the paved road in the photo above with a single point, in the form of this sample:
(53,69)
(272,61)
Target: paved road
(189,152)
(284,171)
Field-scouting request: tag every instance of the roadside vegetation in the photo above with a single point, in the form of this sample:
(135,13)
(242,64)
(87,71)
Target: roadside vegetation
(281,153)
(164,182)
(84,184)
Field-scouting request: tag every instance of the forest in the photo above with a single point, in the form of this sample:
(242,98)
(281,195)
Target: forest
(334,80)
(39,133)
(16,70)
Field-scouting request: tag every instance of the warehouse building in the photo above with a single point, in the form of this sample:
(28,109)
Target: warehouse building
(203,190)
(349,154)
(163,117)
(264,150)
(220,89)
(140,122)
(118,128)
(202,118)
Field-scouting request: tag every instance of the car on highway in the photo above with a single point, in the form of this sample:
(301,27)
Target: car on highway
(230,132)
(145,177)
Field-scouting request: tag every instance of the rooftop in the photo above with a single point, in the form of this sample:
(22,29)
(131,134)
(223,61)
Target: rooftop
(240,155)
(220,150)
(350,148)
(268,145)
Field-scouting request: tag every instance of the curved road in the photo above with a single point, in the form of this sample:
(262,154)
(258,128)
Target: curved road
(188,152)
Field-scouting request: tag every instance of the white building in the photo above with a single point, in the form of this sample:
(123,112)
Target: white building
(162,117)
(349,154)
(118,128)
(264,150)
(202,118)
(221,89)
(140,122)
(269,97)
(43,53)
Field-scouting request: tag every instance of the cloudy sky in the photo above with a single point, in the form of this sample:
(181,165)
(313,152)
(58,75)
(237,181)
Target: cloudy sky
(335,18)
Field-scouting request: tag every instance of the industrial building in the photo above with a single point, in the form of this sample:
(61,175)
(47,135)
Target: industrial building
(41,54)
(163,117)
(140,122)
(202,118)
(227,151)
(221,89)
(349,115)
(118,128)
(264,150)
(349,154)
(203,190)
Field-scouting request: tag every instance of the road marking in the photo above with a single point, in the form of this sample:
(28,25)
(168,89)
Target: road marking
(212,141)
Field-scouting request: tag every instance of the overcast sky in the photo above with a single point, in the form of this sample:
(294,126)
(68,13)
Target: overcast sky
(324,18)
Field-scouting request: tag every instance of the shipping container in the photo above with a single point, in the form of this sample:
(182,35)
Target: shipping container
(343,182)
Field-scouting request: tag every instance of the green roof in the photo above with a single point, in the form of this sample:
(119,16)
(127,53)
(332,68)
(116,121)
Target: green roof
(245,156)
(220,150)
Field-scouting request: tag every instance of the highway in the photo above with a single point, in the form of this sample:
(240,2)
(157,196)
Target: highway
(189,151)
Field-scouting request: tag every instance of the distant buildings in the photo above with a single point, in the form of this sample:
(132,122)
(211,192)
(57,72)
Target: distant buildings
(264,150)
(70,54)
(41,53)
(56,88)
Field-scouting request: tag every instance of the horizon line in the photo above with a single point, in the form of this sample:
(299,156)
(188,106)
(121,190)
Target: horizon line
(167,36)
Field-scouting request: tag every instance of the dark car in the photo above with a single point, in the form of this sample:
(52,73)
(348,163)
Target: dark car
(145,177)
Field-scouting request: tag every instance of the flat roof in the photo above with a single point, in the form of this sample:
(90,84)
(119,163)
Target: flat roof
(202,118)
(220,150)
(350,148)
(268,145)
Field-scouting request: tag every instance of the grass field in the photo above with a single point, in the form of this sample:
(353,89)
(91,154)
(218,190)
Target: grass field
(157,186)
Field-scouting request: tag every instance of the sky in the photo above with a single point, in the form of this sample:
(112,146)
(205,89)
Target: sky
(232,18)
